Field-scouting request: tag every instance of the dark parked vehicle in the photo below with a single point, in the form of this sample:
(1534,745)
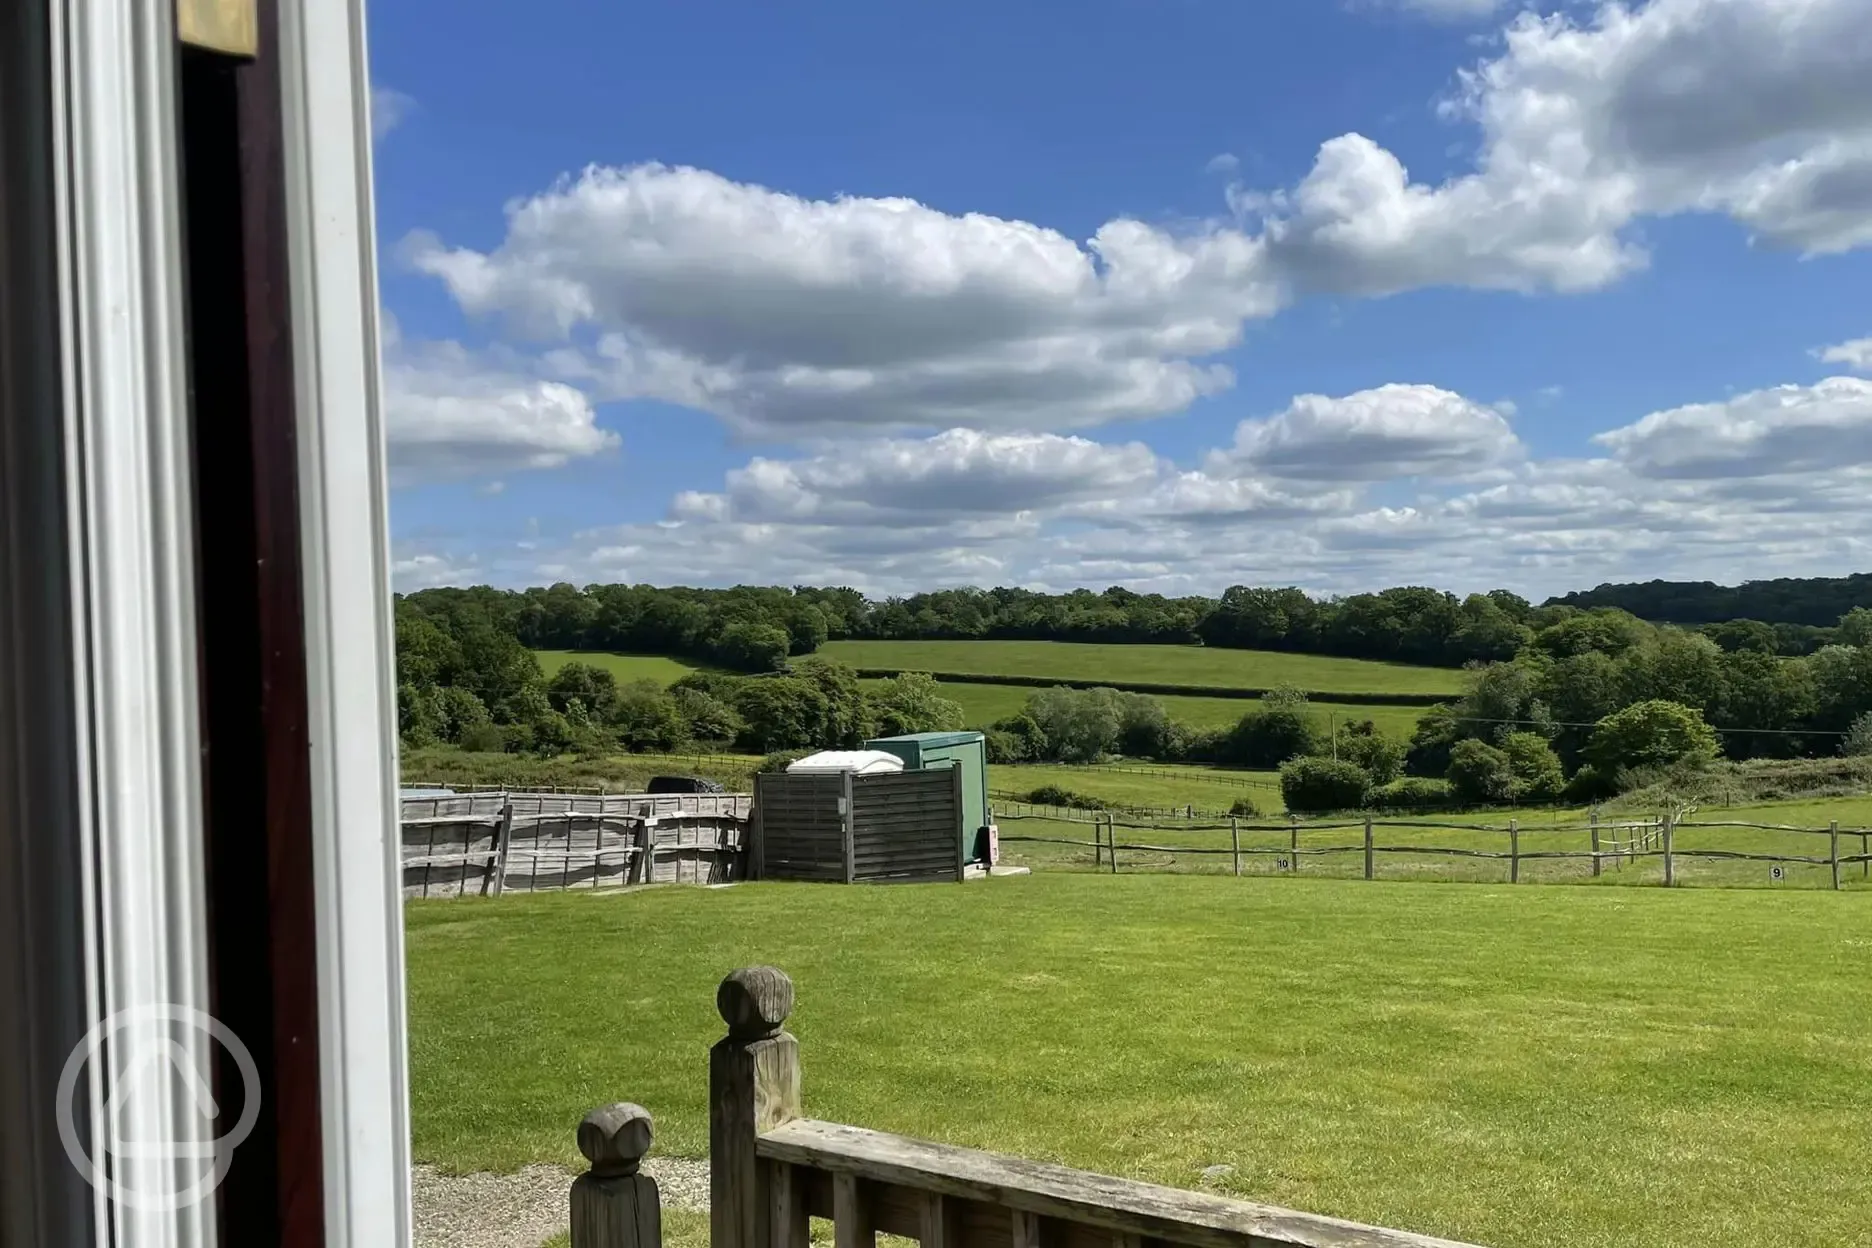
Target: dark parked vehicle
(681,784)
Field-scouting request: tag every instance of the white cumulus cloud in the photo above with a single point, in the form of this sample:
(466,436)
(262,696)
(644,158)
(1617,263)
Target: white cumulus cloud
(1856,354)
(453,414)
(1391,431)
(1783,430)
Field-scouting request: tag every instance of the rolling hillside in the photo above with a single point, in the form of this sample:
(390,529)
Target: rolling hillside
(1194,666)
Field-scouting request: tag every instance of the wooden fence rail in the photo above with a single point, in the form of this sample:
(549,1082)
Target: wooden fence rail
(490,844)
(771,1170)
(1618,843)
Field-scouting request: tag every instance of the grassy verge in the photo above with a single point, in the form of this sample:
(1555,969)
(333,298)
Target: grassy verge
(1540,1066)
(1180,665)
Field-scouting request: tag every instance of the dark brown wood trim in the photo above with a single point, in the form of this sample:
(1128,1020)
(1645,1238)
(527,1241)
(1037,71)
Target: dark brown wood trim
(256,766)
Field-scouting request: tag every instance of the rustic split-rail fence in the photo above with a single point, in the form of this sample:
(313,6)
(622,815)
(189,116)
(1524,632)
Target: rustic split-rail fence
(772,1170)
(1596,845)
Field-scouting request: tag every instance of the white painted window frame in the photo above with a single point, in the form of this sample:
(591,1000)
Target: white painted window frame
(140,816)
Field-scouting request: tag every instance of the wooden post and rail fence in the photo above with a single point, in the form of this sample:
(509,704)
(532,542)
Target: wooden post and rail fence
(772,1170)
(1611,843)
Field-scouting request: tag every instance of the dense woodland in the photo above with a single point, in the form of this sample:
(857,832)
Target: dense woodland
(1561,699)
(1809,601)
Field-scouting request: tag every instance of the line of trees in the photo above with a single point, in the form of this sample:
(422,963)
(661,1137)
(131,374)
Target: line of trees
(1801,601)
(759,629)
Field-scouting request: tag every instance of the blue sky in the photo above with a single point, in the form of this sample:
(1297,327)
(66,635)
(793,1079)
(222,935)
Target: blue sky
(1169,293)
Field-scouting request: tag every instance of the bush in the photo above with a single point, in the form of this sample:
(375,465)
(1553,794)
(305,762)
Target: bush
(1022,737)
(1054,795)
(1412,793)
(912,702)
(1858,742)
(485,738)
(1245,808)
(1003,746)
(1380,756)
(779,760)
(1480,774)
(750,647)
(1269,737)
(1079,725)
(1537,773)
(1591,785)
(1311,785)
(1652,734)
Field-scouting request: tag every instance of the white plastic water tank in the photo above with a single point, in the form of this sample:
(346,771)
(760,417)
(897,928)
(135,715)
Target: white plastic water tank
(858,762)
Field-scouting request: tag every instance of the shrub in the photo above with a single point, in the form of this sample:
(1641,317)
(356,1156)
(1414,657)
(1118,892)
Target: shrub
(710,719)
(1858,742)
(1059,795)
(750,647)
(1412,793)
(1054,795)
(912,702)
(1480,774)
(1079,725)
(1270,736)
(1537,773)
(1313,784)
(1026,740)
(594,686)
(779,760)
(1590,785)
(1380,756)
(1003,746)
(1652,734)
(647,717)
(485,738)
(1245,808)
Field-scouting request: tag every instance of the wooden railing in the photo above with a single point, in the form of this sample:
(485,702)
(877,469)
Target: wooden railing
(771,1170)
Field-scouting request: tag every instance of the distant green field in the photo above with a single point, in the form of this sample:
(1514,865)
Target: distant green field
(626,667)
(985,704)
(1154,785)
(1169,665)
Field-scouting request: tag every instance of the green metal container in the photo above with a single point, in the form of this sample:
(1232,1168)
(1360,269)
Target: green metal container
(968,750)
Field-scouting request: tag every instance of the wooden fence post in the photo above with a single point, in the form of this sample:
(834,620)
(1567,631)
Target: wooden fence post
(1293,844)
(502,834)
(1235,842)
(1833,850)
(1865,863)
(754,1086)
(1595,844)
(1098,843)
(1111,840)
(1514,851)
(1368,848)
(614,1205)
(1670,863)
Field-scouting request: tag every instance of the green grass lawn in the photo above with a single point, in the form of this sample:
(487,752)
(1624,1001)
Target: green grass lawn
(1177,665)
(626,667)
(1515,1067)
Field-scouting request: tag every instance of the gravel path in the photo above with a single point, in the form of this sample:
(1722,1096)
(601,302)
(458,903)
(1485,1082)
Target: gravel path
(525,1210)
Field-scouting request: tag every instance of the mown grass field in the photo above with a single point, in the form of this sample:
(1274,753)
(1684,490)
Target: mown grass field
(1516,1067)
(983,705)
(626,667)
(1141,784)
(1173,665)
